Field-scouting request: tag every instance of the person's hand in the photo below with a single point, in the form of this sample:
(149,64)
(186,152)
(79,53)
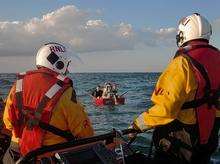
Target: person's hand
(165,144)
(132,136)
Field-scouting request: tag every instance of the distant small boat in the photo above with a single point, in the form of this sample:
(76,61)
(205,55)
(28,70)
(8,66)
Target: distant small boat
(109,101)
(107,94)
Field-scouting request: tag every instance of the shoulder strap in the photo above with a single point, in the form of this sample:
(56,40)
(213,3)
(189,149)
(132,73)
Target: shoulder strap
(62,133)
(19,98)
(202,71)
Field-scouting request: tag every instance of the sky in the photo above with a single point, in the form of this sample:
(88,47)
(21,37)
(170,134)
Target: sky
(101,35)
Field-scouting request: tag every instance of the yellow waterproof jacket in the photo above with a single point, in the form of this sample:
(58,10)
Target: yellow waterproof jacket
(67,115)
(175,86)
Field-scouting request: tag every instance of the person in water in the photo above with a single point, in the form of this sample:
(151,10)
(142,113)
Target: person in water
(110,91)
(107,90)
(97,92)
(186,115)
(115,90)
(42,108)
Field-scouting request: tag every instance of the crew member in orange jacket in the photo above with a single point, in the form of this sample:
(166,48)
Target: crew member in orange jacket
(41,100)
(185,114)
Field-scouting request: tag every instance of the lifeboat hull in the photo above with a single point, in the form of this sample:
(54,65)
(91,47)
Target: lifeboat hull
(109,101)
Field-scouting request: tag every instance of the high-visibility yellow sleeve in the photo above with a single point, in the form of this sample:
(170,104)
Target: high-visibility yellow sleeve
(175,86)
(76,116)
(69,115)
(8,106)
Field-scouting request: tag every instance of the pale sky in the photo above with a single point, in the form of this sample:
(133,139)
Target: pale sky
(102,35)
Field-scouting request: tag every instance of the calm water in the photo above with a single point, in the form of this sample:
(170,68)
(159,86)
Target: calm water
(138,85)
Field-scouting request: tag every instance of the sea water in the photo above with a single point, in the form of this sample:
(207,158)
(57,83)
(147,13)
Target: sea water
(139,86)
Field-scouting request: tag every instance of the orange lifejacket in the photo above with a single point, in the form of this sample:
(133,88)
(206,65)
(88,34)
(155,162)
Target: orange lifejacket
(205,60)
(36,95)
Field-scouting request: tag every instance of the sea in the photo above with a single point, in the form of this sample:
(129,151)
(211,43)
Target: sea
(139,87)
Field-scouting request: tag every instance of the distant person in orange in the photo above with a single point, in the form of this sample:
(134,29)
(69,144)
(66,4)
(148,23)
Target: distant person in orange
(42,108)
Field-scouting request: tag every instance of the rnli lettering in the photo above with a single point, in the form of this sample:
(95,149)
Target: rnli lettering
(160,91)
(57,49)
(184,21)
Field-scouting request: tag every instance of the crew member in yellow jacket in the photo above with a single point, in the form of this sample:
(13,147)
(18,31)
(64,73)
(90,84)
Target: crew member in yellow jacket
(181,133)
(44,97)
(66,115)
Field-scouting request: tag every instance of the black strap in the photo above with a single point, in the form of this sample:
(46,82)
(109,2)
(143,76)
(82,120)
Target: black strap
(194,103)
(19,100)
(50,128)
(202,71)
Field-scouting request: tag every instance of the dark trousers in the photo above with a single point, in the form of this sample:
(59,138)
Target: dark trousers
(12,154)
(201,154)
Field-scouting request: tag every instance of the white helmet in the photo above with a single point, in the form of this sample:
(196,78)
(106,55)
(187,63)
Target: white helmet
(193,27)
(53,56)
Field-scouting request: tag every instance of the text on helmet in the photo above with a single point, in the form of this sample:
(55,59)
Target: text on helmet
(57,49)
